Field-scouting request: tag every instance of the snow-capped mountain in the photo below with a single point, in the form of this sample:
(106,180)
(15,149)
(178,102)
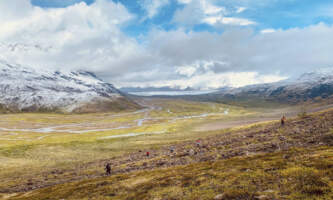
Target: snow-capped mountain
(308,86)
(26,89)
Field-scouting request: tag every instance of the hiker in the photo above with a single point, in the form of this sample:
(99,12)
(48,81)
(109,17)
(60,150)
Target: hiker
(172,149)
(147,154)
(283,120)
(108,169)
(198,143)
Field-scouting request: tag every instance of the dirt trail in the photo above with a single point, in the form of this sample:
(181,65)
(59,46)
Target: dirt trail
(306,132)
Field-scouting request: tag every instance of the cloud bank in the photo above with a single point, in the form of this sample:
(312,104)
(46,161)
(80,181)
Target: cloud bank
(91,37)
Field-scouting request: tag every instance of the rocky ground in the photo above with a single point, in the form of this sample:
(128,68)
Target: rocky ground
(301,132)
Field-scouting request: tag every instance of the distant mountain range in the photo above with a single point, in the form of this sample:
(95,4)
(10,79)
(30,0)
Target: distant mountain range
(26,89)
(310,86)
(154,89)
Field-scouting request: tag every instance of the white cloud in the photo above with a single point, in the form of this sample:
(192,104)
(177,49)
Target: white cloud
(77,36)
(268,31)
(211,80)
(235,58)
(14,9)
(237,21)
(205,11)
(210,9)
(198,67)
(152,7)
(89,37)
(196,11)
(184,1)
(186,70)
(205,75)
(241,9)
(228,21)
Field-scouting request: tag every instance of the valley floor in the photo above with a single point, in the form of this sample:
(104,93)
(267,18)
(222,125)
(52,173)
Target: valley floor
(258,161)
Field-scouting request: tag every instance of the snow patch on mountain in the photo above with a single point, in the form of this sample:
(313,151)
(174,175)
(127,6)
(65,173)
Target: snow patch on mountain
(24,88)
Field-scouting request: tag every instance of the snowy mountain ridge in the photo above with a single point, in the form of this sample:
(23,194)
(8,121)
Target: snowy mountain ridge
(308,86)
(26,89)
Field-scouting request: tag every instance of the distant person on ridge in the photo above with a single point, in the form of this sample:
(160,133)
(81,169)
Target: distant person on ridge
(283,120)
(108,169)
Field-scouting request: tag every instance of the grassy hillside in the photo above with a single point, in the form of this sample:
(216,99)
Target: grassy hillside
(95,106)
(261,161)
(294,174)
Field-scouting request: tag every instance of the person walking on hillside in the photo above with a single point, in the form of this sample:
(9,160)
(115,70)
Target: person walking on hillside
(283,120)
(108,169)
(198,143)
(172,149)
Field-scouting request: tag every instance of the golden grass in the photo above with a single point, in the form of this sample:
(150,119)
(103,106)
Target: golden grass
(305,174)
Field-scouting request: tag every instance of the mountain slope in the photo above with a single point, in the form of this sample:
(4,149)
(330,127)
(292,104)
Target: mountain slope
(306,87)
(313,86)
(25,89)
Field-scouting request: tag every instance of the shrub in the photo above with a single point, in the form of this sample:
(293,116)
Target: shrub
(305,180)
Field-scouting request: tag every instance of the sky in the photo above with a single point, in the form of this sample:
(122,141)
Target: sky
(203,44)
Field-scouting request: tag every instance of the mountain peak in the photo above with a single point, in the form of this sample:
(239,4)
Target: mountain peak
(322,74)
(23,88)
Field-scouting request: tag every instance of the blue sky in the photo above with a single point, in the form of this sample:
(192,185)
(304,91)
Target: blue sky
(178,43)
